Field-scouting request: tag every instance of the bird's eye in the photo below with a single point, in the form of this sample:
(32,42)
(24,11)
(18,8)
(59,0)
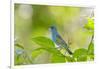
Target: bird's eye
(52,27)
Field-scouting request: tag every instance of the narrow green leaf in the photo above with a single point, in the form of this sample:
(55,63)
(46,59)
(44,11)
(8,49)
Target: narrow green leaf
(18,45)
(91,49)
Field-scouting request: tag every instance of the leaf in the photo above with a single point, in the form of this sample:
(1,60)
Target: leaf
(48,45)
(91,49)
(19,49)
(56,55)
(54,51)
(57,59)
(50,50)
(36,52)
(90,57)
(19,52)
(70,59)
(90,24)
(18,45)
(19,59)
(80,55)
(44,42)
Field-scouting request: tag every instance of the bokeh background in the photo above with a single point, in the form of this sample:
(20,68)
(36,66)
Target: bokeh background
(34,20)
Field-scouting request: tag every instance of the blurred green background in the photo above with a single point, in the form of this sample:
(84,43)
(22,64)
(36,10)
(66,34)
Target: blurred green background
(34,20)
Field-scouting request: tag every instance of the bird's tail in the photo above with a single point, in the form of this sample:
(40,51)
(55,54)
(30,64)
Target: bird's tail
(69,51)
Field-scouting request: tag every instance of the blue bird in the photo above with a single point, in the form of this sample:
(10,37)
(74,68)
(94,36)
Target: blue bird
(58,40)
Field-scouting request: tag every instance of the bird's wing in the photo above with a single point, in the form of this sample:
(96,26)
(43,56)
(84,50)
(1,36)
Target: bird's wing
(60,42)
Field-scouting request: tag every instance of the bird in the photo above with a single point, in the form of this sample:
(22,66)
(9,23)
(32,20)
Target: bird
(58,40)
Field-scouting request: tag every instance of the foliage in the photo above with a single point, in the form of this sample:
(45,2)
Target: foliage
(48,45)
(90,24)
(79,54)
(34,44)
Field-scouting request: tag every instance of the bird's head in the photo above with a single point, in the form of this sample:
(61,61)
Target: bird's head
(53,29)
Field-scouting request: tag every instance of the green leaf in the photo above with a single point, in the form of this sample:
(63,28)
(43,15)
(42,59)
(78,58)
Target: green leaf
(19,49)
(48,45)
(57,59)
(19,59)
(50,50)
(44,42)
(54,51)
(90,57)
(70,59)
(90,24)
(91,49)
(36,52)
(19,52)
(18,45)
(80,55)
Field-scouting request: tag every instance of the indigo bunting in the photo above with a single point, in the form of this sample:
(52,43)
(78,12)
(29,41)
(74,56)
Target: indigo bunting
(58,40)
